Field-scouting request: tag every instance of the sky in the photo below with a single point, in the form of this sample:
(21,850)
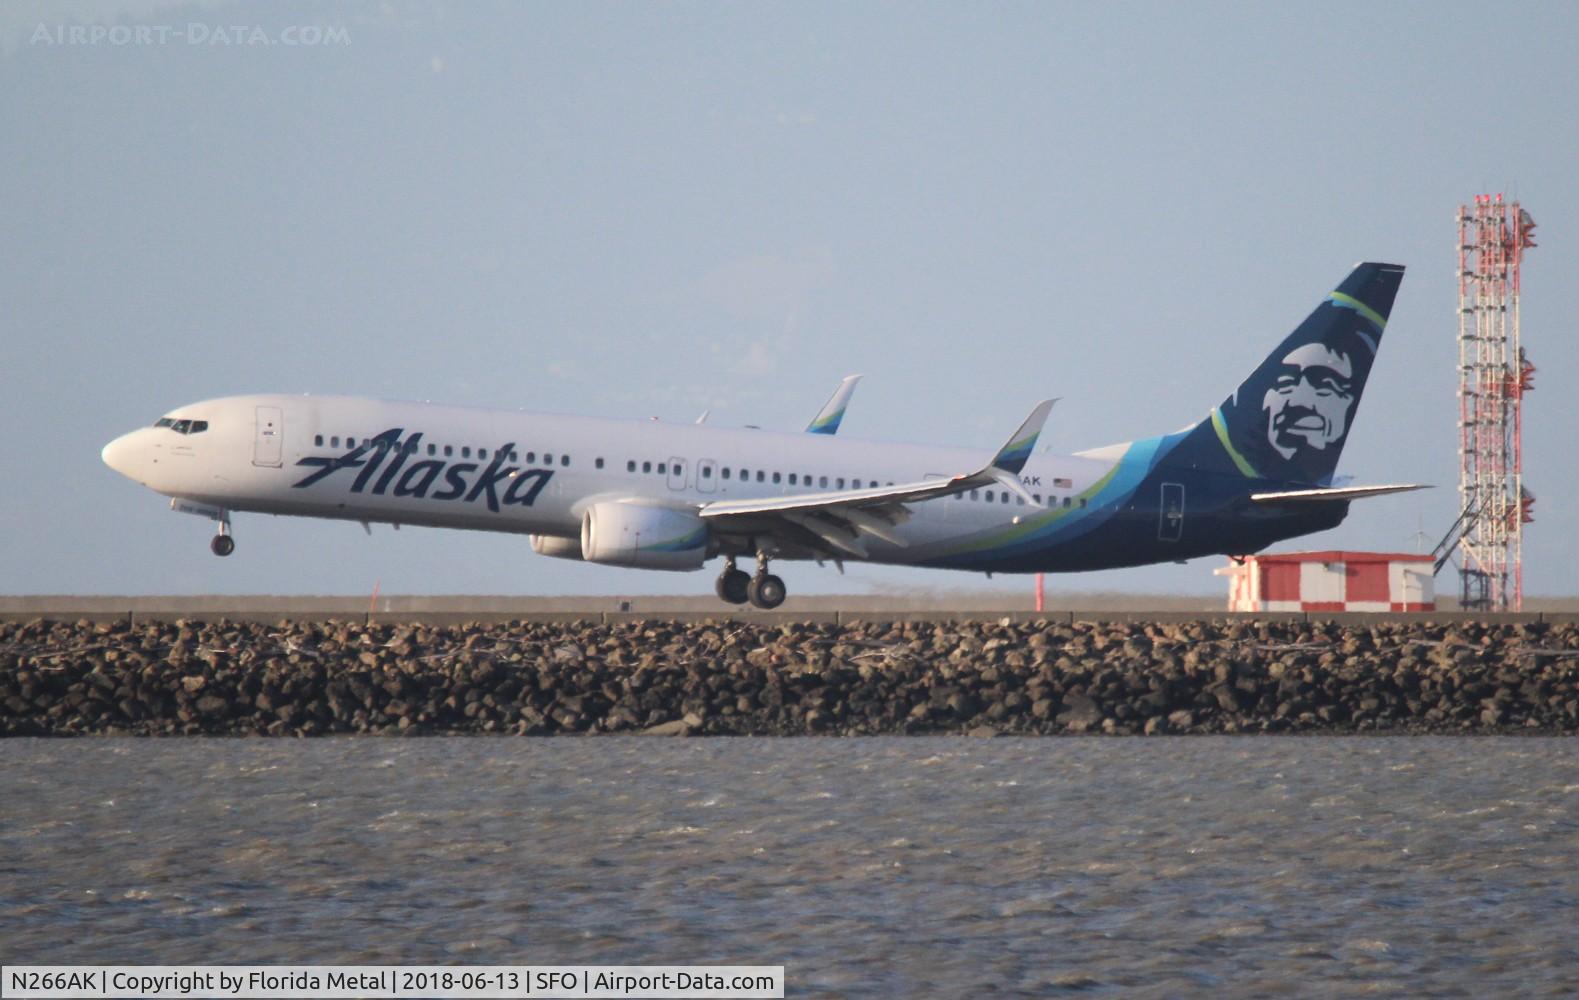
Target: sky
(651,210)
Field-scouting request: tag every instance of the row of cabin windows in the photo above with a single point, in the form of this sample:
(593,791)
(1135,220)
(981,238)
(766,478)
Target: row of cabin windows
(448,450)
(744,475)
(1007,497)
(182,426)
(661,468)
(825,482)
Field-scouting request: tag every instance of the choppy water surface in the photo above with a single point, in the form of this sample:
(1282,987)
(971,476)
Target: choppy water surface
(879,867)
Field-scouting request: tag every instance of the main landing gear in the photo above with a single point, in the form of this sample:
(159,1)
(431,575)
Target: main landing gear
(764,590)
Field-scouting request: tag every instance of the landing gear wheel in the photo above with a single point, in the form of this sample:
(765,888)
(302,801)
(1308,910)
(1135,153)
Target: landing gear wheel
(733,585)
(766,591)
(222,545)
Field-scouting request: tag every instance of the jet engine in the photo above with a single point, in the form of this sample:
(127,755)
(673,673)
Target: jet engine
(625,533)
(556,545)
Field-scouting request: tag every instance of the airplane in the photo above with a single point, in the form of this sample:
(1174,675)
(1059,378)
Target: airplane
(1257,469)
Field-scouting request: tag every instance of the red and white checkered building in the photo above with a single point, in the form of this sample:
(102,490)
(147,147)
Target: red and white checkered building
(1331,581)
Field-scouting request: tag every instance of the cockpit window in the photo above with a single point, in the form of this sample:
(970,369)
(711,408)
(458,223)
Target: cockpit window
(182,426)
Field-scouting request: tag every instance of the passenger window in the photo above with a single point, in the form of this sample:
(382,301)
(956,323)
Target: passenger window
(1082,501)
(515,456)
(975,494)
(334,442)
(775,477)
(792,479)
(1005,498)
(707,472)
(841,482)
(1020,501)
(760,476)
(988,494)
(630,466)
(1066,502)
(350,442)
(466,451)
(1038,498)
(598,463)
(318,440)
(679,467)
(449,450)
(646,467)
(482,452)
(822,482)
(663,468)
(548,459)
(726,472)
(531,457)
(564,461)
(433,449)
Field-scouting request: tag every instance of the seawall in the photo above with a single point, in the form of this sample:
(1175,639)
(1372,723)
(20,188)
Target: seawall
(719,677)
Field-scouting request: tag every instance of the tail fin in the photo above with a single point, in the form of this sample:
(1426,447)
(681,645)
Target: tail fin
(1288,421)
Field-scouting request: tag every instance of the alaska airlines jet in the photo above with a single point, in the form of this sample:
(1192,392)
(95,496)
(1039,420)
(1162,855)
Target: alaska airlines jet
(1257,469)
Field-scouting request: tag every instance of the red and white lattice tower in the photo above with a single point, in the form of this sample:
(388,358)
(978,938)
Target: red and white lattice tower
(1493,376)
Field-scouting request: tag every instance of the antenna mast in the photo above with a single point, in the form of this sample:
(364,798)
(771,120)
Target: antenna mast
(1493,376)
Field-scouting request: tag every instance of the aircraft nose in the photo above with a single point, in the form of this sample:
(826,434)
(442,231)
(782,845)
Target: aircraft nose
(120,454)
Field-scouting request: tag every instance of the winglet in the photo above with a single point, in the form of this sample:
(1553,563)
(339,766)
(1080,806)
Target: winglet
(827,419)
(1011,458)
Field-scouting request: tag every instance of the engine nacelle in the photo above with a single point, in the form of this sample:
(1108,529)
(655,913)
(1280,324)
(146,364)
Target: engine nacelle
(626,533)
(557,546)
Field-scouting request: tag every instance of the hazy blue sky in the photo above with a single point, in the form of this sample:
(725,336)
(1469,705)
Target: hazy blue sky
(644,209)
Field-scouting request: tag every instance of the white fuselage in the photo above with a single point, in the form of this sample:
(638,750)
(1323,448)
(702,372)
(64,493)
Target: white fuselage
(510,470)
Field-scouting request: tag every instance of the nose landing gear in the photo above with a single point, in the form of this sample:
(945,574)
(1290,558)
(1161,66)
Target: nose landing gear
(223,544)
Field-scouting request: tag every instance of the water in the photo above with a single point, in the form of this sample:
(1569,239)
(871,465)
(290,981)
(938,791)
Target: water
(877,867)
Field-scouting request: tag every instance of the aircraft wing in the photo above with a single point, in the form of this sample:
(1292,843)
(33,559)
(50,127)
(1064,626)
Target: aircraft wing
(837,521)
(827,419)
(1330,493)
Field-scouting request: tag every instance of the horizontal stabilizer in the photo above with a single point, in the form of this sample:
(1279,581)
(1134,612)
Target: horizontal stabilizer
(1327,493)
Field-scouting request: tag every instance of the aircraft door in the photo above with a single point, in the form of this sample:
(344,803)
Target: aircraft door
(268,442)
(1170,523)
(706,476)
(677,473)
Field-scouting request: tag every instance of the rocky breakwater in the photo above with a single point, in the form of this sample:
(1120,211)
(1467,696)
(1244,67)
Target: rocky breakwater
(312,678)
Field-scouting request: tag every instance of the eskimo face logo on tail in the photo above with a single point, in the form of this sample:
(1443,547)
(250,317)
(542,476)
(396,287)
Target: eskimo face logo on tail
(1289,420)
(382,466)
(1310,399)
